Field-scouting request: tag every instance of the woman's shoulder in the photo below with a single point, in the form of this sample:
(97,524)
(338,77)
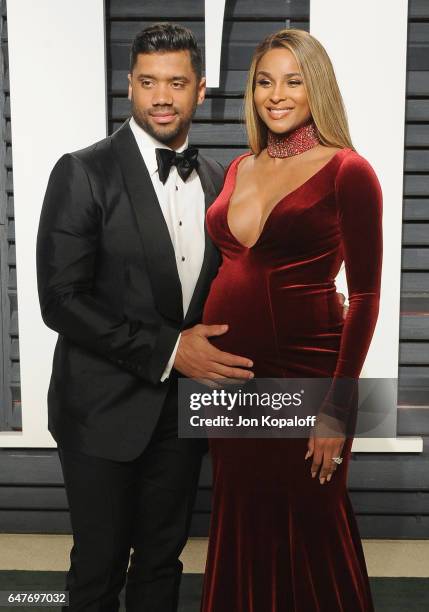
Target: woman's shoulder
(356,177)
(353,166)
(237,160)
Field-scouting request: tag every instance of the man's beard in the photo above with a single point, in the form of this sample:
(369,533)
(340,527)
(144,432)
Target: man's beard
(165,135)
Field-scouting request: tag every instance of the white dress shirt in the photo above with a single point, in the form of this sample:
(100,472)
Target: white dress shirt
(182,204)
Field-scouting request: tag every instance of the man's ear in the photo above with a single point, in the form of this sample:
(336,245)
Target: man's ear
(201,91)
(130,87)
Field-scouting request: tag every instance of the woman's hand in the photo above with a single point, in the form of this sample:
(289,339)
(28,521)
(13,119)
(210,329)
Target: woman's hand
(322,450)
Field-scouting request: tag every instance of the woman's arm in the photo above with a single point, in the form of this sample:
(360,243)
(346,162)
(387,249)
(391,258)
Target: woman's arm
(359,207)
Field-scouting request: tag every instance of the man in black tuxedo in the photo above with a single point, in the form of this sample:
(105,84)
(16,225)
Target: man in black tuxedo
(124,266)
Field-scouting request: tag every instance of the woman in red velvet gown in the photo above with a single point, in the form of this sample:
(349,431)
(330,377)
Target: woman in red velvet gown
(283,534)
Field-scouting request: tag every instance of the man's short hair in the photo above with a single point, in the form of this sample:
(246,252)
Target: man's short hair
(165,37)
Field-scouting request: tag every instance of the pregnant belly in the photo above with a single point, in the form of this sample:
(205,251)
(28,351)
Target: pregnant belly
(277,325)
(242,304)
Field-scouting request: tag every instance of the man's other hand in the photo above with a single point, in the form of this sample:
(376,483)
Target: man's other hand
(342,298)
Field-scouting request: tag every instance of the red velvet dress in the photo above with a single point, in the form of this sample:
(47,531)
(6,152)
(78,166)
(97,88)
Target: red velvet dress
(279,540)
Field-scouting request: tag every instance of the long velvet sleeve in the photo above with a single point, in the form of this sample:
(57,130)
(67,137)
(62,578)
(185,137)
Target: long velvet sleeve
(359,209)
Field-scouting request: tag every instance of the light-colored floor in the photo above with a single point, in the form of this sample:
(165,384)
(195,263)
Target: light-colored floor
(51,552)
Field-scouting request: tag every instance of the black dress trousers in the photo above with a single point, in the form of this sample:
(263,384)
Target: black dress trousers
(145,505)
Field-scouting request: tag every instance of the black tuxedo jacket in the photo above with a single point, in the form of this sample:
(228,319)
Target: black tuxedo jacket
(108,284)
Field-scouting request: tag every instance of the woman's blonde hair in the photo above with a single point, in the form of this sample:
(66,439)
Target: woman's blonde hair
(324,97)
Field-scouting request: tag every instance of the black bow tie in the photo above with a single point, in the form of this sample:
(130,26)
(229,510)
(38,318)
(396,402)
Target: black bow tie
(185,162)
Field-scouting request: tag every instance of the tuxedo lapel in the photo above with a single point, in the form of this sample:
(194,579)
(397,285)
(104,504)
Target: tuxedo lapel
(157,245)
(211,259)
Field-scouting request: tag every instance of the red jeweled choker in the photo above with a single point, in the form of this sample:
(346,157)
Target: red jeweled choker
(302,139)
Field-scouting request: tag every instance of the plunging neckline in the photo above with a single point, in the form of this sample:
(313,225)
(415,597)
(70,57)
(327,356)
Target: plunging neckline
(283,199)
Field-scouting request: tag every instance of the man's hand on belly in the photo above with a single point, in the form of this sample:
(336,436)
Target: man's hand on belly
(196,357)
(342,299)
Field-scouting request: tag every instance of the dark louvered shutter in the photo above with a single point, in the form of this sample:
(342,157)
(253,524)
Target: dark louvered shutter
(10,407)
(413,413)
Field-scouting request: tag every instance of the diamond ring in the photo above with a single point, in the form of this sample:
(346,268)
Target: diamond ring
(337,460)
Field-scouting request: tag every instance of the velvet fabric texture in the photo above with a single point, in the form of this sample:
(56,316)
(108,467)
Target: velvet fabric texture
(279,540)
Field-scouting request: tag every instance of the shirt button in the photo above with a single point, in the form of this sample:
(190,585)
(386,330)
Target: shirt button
(177,189)
(180,223)
(183,259)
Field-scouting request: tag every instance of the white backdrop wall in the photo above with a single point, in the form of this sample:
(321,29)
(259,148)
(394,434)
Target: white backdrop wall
(369,58)
(58,104)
